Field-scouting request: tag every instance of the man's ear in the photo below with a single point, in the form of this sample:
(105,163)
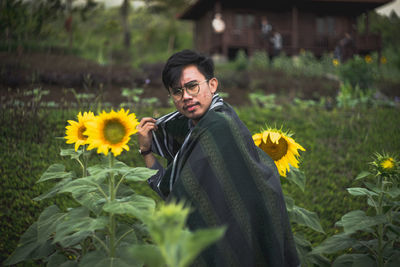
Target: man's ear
(213,83)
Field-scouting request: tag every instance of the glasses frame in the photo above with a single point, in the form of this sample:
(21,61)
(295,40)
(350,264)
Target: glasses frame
(184,88)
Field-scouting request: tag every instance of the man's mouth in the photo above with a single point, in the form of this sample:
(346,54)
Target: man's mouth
(191,107)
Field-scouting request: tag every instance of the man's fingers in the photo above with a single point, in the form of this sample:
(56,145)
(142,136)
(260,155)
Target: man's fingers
(146,125)
(146,120)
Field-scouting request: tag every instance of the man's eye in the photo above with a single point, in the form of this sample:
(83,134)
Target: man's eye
(191,86)
(177,91)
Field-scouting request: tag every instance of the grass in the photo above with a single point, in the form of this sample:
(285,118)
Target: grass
(339,144)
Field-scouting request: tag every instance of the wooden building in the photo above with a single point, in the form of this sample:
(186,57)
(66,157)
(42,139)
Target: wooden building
(312,25)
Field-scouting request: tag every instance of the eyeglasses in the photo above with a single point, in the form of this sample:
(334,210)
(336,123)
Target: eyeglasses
(192,88)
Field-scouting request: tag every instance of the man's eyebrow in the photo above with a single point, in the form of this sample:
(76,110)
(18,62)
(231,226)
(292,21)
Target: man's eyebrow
(193,81)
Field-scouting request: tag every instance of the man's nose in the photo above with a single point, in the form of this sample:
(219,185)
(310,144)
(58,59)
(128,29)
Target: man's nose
(186,95)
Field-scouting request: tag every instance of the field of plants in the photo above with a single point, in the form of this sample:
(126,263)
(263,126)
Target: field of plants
(343,201)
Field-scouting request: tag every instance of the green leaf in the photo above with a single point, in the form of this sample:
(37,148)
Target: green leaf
(71,152)
(48,221)
(357,220)
(150,255)
(138,174)
(354,260)
(55,171)
(30,248)
(94,200)
(305,217)
(79,186)
(56,260)
(289,201)
(193,243)
(394,192)
(334,244)
(303,246)
(394,260)
(77,226)
(135,205)
(362,175)
(101,259)
(297,177)
(359,191)
(54,190)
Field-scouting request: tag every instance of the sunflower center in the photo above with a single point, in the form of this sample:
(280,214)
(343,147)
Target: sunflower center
(81,130)
(388,163)
(114,131)
(275,151)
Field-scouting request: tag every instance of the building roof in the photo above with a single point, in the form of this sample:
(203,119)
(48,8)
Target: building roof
(200,7)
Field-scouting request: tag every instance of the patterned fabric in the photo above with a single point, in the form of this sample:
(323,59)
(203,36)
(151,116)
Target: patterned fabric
(216,168)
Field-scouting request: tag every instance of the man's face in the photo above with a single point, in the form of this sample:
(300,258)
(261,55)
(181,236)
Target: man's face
(194,107)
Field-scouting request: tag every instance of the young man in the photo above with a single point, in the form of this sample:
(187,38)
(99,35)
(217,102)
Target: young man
(215,167)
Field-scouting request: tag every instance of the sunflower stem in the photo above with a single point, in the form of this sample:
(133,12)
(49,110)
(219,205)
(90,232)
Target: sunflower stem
(85,162)
(380,226)
(111,216)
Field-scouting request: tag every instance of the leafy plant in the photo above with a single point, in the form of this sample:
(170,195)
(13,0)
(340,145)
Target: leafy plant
(371,239)
(106,220)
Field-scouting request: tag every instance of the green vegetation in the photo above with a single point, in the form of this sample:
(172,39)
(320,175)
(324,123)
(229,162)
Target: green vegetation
(341,113)
(338,144)
(128,34)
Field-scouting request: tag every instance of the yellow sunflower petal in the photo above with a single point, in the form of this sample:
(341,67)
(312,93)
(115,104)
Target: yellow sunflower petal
(275,137)
(111,131)
(257,139)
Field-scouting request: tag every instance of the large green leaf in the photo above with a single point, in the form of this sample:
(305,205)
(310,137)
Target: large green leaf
(289,201)
(60,260)
(54,190)
(71,152)
(77,226)
(362,175)
(193,243)
(297,177)
(359,191)
(94,200)
(55,171)
(305,217)
(354,260)
(101,259)
(80,186)
(105,169)
(30,248)
(334,244)
(150,255)
(135,205)
(138,174)
(394,260)
(303,246)
(394,192)
(357,220)
(48,221)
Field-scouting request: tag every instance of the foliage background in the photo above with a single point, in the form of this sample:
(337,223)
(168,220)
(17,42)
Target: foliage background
(302,94)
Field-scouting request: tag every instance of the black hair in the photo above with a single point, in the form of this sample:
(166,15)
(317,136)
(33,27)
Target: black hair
(172,72)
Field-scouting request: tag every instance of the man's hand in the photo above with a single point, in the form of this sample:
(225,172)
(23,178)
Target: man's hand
(144,128)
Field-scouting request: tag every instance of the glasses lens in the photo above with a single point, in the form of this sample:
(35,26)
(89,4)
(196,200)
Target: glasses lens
(176,93)
(193,88)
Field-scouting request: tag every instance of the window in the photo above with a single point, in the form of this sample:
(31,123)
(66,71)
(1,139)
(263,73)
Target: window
(325,25)
(244,21)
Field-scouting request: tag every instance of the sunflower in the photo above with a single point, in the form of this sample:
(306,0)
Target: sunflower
(368,59)
(280,147)
(335,62)
(75,131)
(385,164)
(111,131)
(388,164)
